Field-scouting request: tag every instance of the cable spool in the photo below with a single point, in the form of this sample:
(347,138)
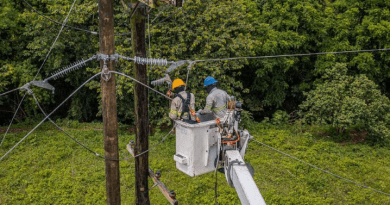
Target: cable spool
(150,61)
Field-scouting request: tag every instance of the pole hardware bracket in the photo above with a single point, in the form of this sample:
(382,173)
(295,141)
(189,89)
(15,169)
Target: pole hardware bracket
(177,64)
(114,57)
(43,84)
(102,57)
(106,74)
(190,63)
(27,88)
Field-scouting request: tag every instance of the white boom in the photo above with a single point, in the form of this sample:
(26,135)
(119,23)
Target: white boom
(239,176)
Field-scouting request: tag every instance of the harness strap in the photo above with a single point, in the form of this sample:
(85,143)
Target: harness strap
(185,104)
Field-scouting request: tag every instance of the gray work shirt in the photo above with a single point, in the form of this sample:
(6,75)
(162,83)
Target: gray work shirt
(216,103)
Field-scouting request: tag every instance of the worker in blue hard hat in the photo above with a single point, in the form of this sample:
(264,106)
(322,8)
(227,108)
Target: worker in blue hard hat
(216,101)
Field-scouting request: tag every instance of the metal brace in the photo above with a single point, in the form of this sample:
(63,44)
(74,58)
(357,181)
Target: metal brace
(102,57)
(175,65)
(106,75)
(43,84)
(190,64)
(114,57)
(27,88)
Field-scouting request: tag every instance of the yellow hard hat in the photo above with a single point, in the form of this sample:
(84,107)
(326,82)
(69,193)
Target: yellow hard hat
(176,83)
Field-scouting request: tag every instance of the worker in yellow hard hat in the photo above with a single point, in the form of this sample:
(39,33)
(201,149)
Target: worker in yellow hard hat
(180,106)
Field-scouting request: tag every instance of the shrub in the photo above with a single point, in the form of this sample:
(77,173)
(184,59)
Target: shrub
(279,117)
(347,102)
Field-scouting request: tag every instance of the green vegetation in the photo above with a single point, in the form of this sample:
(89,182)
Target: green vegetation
(49,168)
(336,101)
(348,102)
(200,30)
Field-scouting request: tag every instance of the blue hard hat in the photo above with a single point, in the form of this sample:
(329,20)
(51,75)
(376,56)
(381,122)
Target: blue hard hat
(209,80)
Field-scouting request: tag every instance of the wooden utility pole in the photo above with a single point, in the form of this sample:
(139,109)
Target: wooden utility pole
(137,23)
(106,24)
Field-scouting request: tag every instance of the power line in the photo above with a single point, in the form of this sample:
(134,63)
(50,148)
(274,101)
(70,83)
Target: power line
(10,91)
(294,55)
(164,9)
(59,33)
(47,56)
(142,84)
(74,92)
(48,117)
(9,126)
(72,27)
(323,170)
(161,141)
(59,128)
(169,16)
(54,21)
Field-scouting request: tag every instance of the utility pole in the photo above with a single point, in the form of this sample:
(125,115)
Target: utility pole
(137,23)
(106,24)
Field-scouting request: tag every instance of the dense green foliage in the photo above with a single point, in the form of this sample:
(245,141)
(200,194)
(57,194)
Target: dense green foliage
(290,26)
(346,92)
(347,102)
(49,168)
(200,30)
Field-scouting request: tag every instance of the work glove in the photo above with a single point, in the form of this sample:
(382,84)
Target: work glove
(169,93)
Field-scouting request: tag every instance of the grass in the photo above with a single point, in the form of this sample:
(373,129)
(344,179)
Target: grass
(49,168)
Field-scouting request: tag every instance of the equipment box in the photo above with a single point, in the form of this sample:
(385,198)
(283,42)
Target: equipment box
(196,147)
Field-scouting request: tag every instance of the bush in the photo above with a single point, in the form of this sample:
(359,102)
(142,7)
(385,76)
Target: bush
(347,102)
(280,117)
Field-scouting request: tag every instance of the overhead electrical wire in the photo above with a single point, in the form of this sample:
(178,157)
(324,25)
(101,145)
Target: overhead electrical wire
(74,92)
(323,170)
(163,139)
(47,116)
(54,21)
(67,134)
(9,126)
(294,55)
(59,33)
(168,16)
(47,56)
(145,60)
(72,27)
(167,97)
(10,91)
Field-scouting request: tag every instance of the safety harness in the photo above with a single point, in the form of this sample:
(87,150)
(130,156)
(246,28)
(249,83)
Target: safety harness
(185,104)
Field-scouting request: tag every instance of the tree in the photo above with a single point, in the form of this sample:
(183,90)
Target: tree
(345,102)
(288,27)
(200,30)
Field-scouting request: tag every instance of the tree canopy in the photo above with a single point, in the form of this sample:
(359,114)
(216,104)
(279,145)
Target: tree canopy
(200,30)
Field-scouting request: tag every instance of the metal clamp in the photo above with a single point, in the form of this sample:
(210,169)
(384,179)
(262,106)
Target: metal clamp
(106,74)
(27,88)
(43,84)
(101,56)
(114,57)
(190,64)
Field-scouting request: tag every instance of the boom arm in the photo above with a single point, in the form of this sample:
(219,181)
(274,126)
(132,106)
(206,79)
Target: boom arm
(239,177)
